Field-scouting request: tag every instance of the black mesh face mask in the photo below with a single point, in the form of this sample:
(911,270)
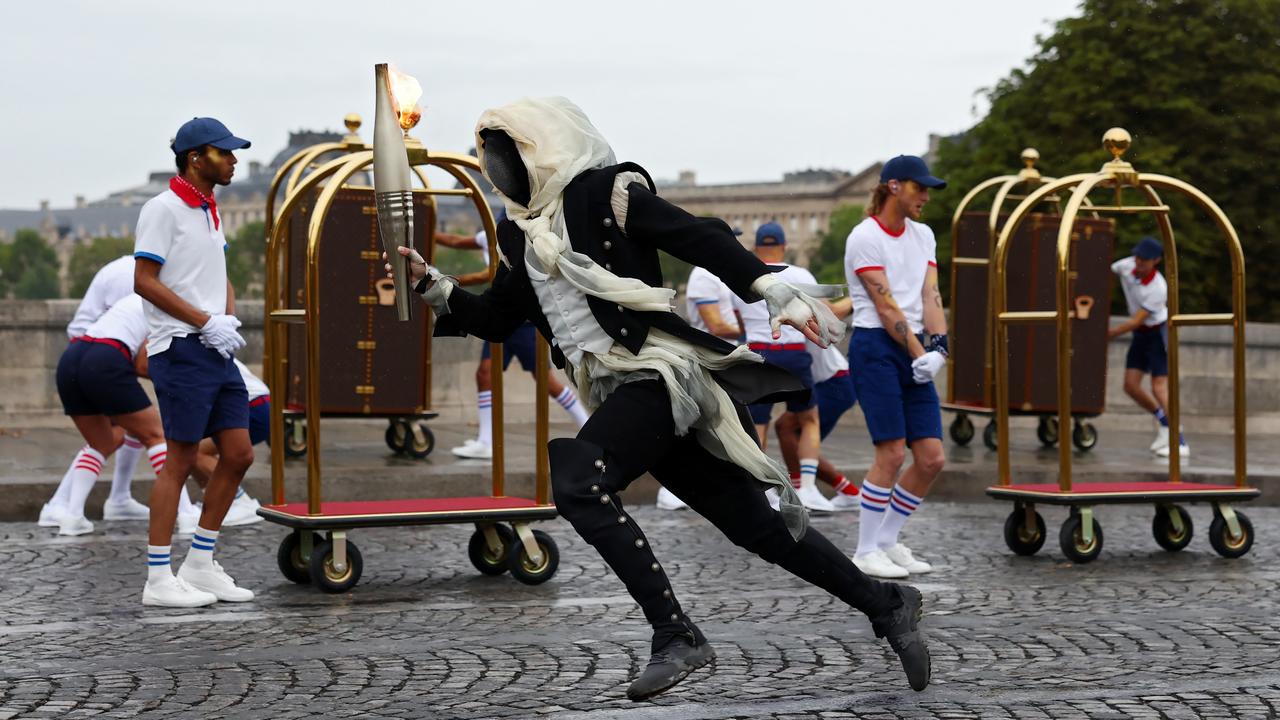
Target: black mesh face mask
(503,166)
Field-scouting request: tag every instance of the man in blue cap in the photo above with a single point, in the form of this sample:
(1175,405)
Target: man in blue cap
(1147,296)
(787,350)
(181,274)
(899,344)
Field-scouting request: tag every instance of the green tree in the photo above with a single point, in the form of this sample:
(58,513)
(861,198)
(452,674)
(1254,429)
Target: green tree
(247,260)
(30,267)
(827,263)
(88,259)
(1197,83)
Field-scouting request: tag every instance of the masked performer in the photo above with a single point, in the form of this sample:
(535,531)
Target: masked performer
(580,260)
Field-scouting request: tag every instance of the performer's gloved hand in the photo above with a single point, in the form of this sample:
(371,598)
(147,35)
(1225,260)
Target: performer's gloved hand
(788,305)
(926,367)
(219,333)
(437,286)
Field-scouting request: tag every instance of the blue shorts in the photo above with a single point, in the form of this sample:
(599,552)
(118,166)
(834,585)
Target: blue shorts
(520,345)
(200,392)
(1148,351)
(835,396)
(97,378)
(895,406)
(260,420)
(798,362)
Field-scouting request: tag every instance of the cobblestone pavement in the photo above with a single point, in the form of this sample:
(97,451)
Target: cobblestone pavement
(1138,633)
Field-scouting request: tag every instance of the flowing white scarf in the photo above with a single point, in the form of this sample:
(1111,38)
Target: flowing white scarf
(557,143)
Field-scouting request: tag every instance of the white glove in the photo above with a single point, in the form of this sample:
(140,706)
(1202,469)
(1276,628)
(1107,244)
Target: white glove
(789,305)
(220,334)
(438,286)
(925,367)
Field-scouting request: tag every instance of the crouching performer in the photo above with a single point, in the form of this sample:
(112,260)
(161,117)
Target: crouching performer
(580,260)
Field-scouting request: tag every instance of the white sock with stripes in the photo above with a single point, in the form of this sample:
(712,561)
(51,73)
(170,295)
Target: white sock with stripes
(158,565)
(122,476)
(84,473)
(901,506)
(808,472)
(201,553)
(569,401)
(63,493)
(156,455)
(484,416)
(875,500)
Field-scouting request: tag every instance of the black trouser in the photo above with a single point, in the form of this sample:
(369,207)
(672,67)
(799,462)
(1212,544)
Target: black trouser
(633,433)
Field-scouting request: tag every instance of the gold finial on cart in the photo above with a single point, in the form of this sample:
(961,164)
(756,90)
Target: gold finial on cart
(1116,141)
(1029,157)
(353,123)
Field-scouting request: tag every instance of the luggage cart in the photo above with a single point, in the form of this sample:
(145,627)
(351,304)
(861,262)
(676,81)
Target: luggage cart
(969,365)
(407,432)
(318,549)
(1230,532)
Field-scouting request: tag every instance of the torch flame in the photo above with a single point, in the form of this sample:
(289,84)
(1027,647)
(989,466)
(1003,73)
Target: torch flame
(405,92)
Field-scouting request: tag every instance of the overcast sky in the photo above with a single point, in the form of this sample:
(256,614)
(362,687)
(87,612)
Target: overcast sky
(736,91)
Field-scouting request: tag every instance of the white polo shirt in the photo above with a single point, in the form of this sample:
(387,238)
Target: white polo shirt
(111,283)
(705,288)
(827,362)
(123,321)
(1149,293)
(192,253)
(755,316)
(905,259)
(256,387)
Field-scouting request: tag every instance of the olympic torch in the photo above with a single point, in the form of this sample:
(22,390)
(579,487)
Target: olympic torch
(395,113)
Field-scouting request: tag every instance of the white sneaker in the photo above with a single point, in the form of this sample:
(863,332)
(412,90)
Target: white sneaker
(74,526)
(1184,450)
(901,556)
(175,592)
(813,499)
(189,520)
(842,502)
(772,496)
(1162,440)
(877,564)
(243,511)
(213,579)
(473,450)
(51,515)
(125,509)
(667,500)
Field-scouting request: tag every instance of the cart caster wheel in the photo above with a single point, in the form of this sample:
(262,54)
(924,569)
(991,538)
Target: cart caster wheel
(289,557)
(1084,436)
(1073,545)
(1162,528)
(483,557)
(397,436)
(326,577)
(961,430)
(420,442)
(1221,540)
(989,435)
(295,438)
(1047,430)
(1017,537)
(524,570)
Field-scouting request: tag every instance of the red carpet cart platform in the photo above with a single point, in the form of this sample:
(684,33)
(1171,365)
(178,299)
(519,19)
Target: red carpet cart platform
(318,550)
(1080,537)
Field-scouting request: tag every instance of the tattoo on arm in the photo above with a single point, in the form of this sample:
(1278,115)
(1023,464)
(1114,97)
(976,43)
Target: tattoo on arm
(900,328)
(937,295)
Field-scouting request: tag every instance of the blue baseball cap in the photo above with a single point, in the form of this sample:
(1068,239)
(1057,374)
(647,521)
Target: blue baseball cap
(770,233)
(910,167)
(1148,248)
(205,131)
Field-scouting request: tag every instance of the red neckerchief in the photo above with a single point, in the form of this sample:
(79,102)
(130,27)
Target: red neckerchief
(1145,280)
(193,197)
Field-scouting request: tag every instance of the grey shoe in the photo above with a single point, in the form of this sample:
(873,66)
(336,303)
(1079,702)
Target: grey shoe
(669,666)
(900,626)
